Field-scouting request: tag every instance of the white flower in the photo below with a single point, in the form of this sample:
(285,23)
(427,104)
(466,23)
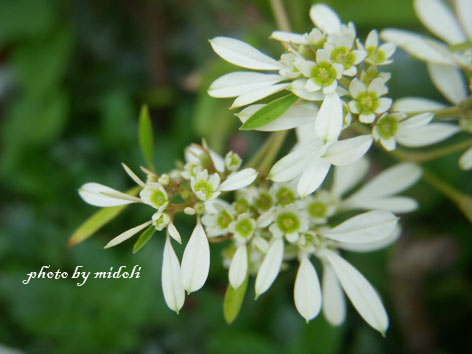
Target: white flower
(320,207)
(341,50)
(325,18)
(205,186)
(232,161)
(218,222)
(412,132)
(160,220)
(243,228)
(196,260)
(204,158)
(378,55)
(289,221)
(154,195)
(367,100)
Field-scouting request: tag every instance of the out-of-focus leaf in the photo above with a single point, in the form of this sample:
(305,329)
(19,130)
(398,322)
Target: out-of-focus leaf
(233,301)
(144,238)
(98,220)
(146,136)
(269,112)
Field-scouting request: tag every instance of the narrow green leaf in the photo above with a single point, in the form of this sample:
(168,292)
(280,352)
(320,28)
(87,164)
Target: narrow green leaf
(144,238)
(269,112)
(146,140)
(98,220)
(233,301)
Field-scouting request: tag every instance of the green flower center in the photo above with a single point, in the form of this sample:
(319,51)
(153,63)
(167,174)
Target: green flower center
(343,56)
(317,209)
(204,187)
(288,222)
(224,219)
(244,228)
(323,74)
(387,127)
(241,206)
(285,196)
(377,56)
(367,102)
(264,202)
(158,198)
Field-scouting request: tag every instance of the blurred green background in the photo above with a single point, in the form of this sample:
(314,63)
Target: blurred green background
(73,74)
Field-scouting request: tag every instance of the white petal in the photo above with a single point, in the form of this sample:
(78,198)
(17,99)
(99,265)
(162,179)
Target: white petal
(378,86)
(293,164)
(364,228)
(127,234)
(372,39)
(258,94)
(345,152)
(334,305)
(196,260)
(304,133)
(238,180)
(270,266)
(242,54)
(463,10)
(360,292)
(313,176)
(289,37)
(238,267)
(415,45)
(416,104)
(133,176)
(307,292)
(449,81)
(240,82)
(174,233)
(465,161)
(356,87)
(420,120)
(218,161)
(346,177)
(427,135)
(393,204)
(91,193)
(295,116)
(329,119)
(440,20)
(384,105)
(391,181)
(174,293)
(325,18)
(373,246)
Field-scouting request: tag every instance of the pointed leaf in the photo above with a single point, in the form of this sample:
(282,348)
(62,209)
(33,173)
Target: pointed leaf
(269,112)
(144,238)
(146,140)
(233,301)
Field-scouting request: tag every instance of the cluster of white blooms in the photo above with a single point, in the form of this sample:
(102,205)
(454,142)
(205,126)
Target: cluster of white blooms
(271,225)
(192,189)
(449,62)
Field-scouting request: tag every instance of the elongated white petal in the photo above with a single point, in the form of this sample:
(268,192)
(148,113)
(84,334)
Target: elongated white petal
(133,176)
(313,176)
(345,152)
(307,292)
(391,181)
(304,133)
(293,164)
(174,293)
(240,82)
(238,267)
(393,204)
(346,177)
(440,20)
(416,104)
(295,116)
(334,305)
(417,121)
(465,161)
(373,246)
(427,135)
(329,119)
(127,234)
(449,81)
(242,54)
(289,37)
(92,193)
(196,260)
(325,18)
(360,292)
(463,10)
(270,266)
(256,95)
(218,161)
(415,45)
(174,233)
(367,227)
(238,180)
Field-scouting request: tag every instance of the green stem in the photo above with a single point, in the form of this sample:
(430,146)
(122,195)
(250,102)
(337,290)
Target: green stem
(280,15)
(433,154)
(256,159)
(273,150)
